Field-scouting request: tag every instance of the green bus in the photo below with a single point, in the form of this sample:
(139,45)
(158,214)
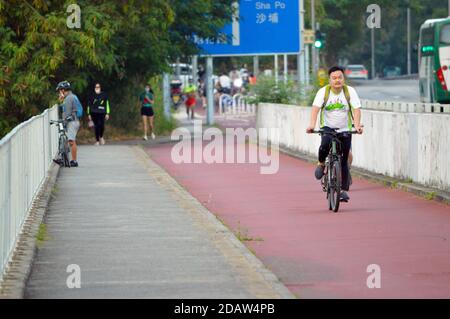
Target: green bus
(434,61)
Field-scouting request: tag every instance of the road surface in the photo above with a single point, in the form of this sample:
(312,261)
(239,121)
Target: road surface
(318,254)
(388,90)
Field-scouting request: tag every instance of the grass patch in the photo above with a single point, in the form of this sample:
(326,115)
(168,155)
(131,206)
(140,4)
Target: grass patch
(242,234)
(54,190)
(42,235)
(430,195)
(409,181)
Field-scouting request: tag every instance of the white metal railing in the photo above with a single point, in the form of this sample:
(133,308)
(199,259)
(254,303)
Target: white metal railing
(236,104)
(225,103)
(405,107)
(25,157)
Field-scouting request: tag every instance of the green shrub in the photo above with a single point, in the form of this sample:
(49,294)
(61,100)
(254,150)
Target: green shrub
(126,108)
(266,90)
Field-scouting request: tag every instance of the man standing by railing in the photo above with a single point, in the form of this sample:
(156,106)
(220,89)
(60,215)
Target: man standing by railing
(70,112)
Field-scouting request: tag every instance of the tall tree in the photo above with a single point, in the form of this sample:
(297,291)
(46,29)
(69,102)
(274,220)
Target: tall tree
(119,43)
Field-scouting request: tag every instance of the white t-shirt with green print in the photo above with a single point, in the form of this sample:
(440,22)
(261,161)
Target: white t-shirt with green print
(336,111)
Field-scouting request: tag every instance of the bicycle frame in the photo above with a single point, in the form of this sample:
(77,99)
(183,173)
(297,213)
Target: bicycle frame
(63,147)
(332,178)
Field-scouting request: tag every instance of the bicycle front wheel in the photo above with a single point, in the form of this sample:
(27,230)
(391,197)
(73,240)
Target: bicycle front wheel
(335,186)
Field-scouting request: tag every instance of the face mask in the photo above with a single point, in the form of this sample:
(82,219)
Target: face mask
(147,90)
(97,91)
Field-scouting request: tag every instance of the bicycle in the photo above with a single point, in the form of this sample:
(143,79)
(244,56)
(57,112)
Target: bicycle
(63,143)
(332,178)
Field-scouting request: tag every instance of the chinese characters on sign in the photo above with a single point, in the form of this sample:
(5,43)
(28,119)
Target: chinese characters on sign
(258,27)
(268,12)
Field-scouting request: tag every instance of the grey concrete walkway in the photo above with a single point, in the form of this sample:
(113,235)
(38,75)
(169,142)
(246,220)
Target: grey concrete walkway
(135,233)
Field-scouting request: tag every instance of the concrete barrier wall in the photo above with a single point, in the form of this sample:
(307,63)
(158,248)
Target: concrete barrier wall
(405,107)
(402,145)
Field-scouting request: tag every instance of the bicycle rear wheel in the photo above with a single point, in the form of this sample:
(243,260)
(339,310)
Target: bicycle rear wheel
(335,186)
(65,151)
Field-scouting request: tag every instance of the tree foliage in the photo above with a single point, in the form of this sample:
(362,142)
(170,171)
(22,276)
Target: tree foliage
(348,37)
(120,43)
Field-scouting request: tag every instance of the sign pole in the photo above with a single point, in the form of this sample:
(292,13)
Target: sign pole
(210,90)
(166,95)
(373,51)
(408,13)
(313,27)
(256,65)
(285,65)
(307,80)
(195,69)
(276,68)
(301,56)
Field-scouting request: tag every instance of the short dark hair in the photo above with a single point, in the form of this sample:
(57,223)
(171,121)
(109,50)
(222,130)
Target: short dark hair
(334,69)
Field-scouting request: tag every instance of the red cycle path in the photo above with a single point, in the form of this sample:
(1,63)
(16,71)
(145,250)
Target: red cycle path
(319,254)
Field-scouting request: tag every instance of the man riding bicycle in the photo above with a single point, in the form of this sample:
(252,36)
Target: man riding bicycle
(340,109)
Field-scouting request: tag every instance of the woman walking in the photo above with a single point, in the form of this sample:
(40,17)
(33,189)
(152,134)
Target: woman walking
(147,100)
(98,111)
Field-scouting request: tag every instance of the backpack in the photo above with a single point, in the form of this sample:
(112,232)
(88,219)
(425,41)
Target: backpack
(79,107)
(347,97)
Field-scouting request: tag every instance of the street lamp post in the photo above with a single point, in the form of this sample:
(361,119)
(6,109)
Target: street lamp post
(373,51)
(408,17)
(313,27)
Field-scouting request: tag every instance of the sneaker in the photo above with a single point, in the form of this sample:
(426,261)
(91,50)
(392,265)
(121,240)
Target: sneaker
(153,136)
(344,196)
(319,171)
(145,138)
(102,141)
(73,164)
(97,144)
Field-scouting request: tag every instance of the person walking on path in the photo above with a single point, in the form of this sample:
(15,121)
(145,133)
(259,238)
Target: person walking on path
(146,101)
(98,111)
(190,91)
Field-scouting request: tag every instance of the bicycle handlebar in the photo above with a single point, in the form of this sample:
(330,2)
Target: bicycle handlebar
(333,132)
(321,131)
(69,118)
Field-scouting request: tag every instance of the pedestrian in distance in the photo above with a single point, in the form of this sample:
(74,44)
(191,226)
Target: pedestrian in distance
(147,101)
(191,98)
(98,111)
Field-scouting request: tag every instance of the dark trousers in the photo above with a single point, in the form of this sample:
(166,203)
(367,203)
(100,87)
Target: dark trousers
(346,143)
(99,124)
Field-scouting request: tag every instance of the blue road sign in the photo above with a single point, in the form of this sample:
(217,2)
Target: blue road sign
(263,27)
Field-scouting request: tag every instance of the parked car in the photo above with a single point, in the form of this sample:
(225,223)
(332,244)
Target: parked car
(356,71)
(390,71)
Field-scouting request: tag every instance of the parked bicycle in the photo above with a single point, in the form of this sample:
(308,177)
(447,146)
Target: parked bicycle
(63,143)
(332,177)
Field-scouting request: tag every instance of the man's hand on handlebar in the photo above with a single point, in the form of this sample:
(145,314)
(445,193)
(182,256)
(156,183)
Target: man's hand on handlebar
(310,129)
(359,128)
